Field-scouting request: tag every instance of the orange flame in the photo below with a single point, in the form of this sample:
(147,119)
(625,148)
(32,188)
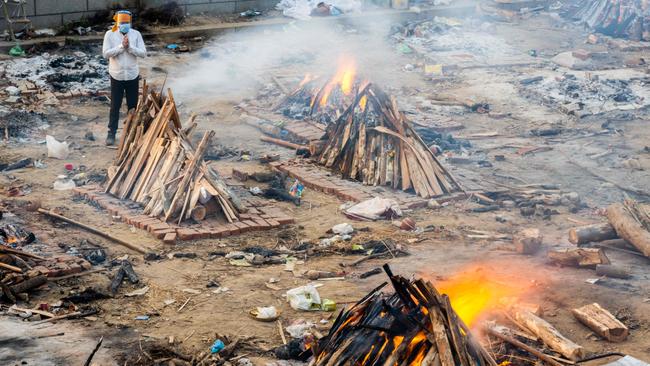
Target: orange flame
(477,291)
(343,79)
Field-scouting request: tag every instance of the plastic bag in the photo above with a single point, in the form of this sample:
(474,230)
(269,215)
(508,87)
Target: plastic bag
(63,183)
(304,298)
(268,312)
(343,228)
(56,149)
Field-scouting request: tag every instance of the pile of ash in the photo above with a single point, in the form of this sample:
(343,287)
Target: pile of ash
(21,123)
(442,141)
(78,71)
(592,95)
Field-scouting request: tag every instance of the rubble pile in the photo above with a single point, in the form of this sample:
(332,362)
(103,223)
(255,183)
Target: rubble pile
(583,95)
(450,41)
(616,18)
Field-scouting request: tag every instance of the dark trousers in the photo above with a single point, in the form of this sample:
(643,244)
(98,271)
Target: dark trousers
(118,89)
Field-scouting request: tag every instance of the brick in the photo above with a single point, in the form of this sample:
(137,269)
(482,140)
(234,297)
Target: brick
(220,232)
(169,238)
(262,224)
(243,226)
(160,234)
(74,268)
(234,229)
(581,54)
(239,175)
(250,225)
(159,225)
(273,223)
(285,220)
(143,224)
(187,234)
(203,233)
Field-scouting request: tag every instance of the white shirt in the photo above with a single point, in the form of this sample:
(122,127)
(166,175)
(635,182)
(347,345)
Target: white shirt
(123,63)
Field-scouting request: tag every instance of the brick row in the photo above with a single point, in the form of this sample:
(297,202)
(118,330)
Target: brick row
(259,217)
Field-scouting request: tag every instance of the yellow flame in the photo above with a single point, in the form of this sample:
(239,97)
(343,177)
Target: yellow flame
(475,293)
(362,102)
(343,79)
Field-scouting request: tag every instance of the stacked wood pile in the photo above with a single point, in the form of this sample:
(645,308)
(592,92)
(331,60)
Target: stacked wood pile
(617,18)
(414,325)
(372,142)
(17,273)
(157,165)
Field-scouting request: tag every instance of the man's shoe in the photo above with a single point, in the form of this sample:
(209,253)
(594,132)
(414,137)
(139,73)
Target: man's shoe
(110,139)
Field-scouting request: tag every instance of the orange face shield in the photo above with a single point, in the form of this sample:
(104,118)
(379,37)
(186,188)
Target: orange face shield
(120,18)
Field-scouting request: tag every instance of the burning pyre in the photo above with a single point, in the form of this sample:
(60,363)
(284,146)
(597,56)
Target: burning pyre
(415,325)
(323,100)
(374,143)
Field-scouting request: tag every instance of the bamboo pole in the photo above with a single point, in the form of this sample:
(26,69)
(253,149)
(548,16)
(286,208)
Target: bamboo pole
(94,231)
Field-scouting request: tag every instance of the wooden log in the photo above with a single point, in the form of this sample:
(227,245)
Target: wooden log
(602,322)
(198,213)
(527,241)
(579,257)
(612,271)
(628,228)
(28,284)
(549,335)
(592,233)
(283,143)
(94,231)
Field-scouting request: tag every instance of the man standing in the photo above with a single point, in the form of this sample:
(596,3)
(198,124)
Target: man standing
(122,46)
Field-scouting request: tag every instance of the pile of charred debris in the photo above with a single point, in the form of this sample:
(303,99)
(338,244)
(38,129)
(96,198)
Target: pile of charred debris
(618,18)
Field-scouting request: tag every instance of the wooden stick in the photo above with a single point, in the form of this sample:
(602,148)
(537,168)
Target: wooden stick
(185,303)
(92,354)
(77,274)
(4,249)
(94,231)
(10,267)
(542,356)
(60,317)
(283,143)
(284,339)
(35,311)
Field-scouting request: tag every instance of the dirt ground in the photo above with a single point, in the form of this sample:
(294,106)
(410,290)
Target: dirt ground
(568,162)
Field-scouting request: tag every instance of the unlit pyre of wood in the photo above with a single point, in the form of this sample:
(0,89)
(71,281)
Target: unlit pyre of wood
(618,18)
(372,142)
(413,326)
(157,166)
